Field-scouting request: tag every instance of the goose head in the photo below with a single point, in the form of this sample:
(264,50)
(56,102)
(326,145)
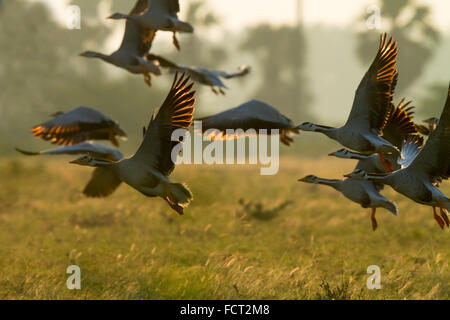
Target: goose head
(341,153)
(85,161)
(308,126)
(118,16)
(309,179)
(358,174)
(89,54)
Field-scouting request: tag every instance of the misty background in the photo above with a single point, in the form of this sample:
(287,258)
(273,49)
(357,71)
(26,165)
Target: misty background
(308,69)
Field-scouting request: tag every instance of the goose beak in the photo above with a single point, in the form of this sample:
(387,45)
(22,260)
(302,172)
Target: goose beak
(347,175)
(331,154)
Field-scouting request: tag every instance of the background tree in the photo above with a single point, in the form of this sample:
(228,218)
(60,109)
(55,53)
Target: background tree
(280,52)
(408,22)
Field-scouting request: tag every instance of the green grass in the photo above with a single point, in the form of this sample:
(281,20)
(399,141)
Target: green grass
(132,247)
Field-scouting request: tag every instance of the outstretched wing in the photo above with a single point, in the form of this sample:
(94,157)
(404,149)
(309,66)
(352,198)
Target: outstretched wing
(243,70)
(94,149)
(78,125)
(137,39)
(411,147)
(175,113)
(253,114)
(373,99)
(400,124)
(434,159)
(103,182)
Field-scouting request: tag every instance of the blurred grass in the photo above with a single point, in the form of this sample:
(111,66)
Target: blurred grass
(132,247)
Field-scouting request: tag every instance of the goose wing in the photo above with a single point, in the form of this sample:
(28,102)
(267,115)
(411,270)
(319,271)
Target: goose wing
(94,149)
(103,182)
(137,39)
(175,113)
(205,76)
(411,147)
(400,124)
(372,103)
(78,125)
(434,158)
(171,7)
(253,114)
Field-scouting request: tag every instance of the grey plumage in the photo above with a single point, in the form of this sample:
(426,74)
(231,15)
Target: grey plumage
(78,125)
(208,77)
(420,180)
(136,43)
(253,114)
(158,15)
(93,149)
(148,169)
(371,107)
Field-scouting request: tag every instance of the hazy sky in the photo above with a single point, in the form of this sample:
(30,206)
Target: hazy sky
(237,13)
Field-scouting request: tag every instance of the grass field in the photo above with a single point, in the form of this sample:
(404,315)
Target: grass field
(132,247)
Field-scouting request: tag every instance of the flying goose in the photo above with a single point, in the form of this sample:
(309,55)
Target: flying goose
(158,15)
(94,149)
(411,146)
(208,77)
(78,125)
(419,180)
(371,107)
(365,193)
(136,43)
(148,169)
(253,114)
(400,131)
(430,126)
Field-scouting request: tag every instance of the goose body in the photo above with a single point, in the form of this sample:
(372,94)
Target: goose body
(148,169)
(94,149)
(365,193)
(419,181)
(136,43)
(78,125)
(371,108)
(208,77)
(253,114)
(400,131)
(158,15)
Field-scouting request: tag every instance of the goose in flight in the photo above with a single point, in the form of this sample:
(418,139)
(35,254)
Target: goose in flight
(253,114)
(208,77)
(136,43)
(430,126)
(371,108)
(93,149)
(420,180)
(400,131)
(78,125)
(158,15)
(365,193)
(148,169)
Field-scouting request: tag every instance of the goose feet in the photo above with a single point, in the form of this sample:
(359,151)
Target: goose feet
(444,215)
(146,74)
(439,220)
(386,164)
(175,41)
(172,201)
(373,219)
